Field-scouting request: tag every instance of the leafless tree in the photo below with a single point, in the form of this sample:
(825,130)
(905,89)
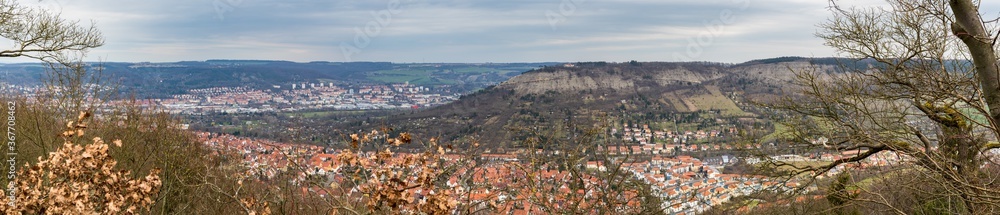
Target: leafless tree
(42,34)
(928,107)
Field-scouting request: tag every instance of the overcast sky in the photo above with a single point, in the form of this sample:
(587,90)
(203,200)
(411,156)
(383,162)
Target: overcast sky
(451,30)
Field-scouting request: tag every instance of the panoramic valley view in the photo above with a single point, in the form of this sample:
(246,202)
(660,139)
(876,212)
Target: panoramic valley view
(500,107)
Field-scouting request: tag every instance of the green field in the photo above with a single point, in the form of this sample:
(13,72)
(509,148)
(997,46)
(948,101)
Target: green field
(477,70)
(674,100)
(975,115)
(717,101)
(402,76)
(780,130)
(437,76)
(483,70)
(320,114)
(413,76)
(794,165)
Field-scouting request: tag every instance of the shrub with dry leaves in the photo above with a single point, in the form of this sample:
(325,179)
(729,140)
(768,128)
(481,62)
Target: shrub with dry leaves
(80,179)
(385,181)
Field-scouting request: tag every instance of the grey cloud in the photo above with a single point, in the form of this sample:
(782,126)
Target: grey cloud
(445,30)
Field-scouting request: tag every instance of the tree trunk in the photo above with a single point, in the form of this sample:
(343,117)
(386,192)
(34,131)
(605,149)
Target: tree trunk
(969,28)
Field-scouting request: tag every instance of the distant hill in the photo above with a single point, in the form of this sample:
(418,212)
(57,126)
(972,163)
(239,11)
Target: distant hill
(552,99)
(156,80)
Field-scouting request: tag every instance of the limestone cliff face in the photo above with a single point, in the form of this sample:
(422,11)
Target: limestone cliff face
(564,81)
(684,75)
(626,77)
(777,73)
(500,114)
(567,79)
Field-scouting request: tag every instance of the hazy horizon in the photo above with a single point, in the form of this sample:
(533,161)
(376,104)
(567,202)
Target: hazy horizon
(455,31)
(528,62)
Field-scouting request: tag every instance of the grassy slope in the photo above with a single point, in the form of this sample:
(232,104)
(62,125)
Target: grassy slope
(716,100)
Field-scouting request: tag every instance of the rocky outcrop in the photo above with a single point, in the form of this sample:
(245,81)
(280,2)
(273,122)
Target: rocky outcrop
(564,81)
(777,73)
(614,77)
(581,93)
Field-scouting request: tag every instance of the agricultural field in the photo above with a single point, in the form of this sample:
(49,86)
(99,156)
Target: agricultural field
(715,100)
(322,114)
(416,76)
